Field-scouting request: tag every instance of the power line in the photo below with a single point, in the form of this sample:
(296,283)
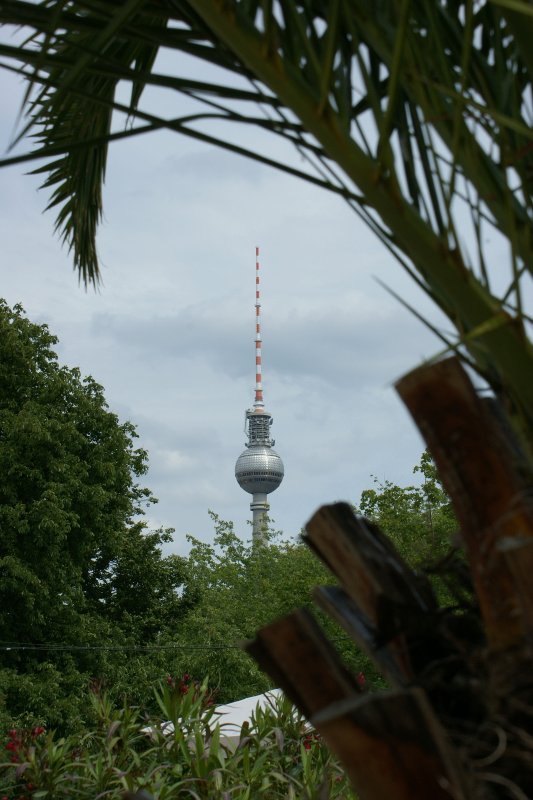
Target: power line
(60,647)
(7,646)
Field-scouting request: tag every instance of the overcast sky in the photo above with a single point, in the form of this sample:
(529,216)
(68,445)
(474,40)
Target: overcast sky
(170,334)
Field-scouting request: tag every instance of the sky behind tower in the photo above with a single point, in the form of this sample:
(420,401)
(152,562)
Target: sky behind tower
(170,333)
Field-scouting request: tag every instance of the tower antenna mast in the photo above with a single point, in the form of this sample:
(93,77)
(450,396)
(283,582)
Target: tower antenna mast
(258,354)
(259,469)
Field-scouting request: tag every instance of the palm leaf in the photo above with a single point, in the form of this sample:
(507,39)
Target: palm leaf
(401,107)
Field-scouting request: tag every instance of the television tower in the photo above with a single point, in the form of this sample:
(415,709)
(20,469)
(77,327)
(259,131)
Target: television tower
(259,469)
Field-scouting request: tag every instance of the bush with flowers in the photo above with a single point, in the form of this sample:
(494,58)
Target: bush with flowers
(182,753)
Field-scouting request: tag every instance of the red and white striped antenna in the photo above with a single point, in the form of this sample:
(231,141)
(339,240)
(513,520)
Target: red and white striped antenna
(258,362)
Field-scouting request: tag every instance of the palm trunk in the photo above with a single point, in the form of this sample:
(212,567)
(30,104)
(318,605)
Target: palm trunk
(458,719)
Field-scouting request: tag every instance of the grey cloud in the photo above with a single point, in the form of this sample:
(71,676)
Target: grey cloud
(210,166)
(340,347)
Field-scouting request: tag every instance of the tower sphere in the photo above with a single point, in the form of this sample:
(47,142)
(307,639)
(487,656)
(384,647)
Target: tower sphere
(259,470)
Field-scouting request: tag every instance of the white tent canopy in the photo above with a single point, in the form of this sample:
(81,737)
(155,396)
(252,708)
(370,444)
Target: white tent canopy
(232,715)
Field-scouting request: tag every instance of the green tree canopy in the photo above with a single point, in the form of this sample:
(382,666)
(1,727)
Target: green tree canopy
(78,568)
(238,587)
(418,518)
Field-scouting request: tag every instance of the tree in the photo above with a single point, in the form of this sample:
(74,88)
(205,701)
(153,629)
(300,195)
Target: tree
(78,569)
(415,113)
(419,519)
(236,588)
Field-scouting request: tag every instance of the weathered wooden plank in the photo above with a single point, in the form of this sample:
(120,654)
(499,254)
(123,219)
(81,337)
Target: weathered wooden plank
(393,746)
(518,554)
(387,594)
(490,485)
(366,563)
(302,661)
(391,657)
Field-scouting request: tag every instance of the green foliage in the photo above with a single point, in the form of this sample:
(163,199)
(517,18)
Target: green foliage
(237,588)
(184,753)
(50,690)
(79,572)
(419,519)
(233,589)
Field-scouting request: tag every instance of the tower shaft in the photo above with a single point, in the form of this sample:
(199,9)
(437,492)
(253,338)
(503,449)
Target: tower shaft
(259,508)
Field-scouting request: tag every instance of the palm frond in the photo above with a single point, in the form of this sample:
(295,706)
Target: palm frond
(418,113)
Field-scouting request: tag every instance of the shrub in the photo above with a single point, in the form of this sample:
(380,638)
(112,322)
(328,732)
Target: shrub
(184,753)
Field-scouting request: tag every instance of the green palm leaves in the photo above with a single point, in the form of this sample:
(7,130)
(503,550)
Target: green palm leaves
(417,112)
